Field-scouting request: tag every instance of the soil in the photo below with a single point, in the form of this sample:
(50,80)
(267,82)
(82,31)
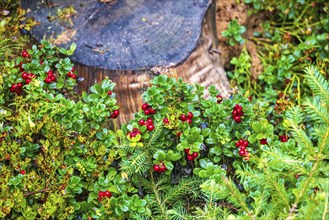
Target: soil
(228,10)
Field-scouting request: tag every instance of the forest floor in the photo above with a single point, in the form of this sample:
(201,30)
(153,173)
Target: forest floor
(228,10)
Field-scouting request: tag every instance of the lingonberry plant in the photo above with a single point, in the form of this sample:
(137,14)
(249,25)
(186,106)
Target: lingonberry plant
(181,156)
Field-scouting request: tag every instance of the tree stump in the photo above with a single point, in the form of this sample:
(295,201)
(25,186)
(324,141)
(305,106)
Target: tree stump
(131,41)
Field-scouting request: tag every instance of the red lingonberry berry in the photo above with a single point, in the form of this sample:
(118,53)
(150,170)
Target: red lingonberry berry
(147,112)
(152,111)
(22,172)
(141,122)
(73,76)
(237,119)
(100,198)
(135,130)
(190,157)
(19,85)
(150,127)
(101,194)
(132,134)
(73,69)
(283,138)
(187,150)
(149,121)
(107,194)
(25,75)
(263,141)
(189,115)
(115,114)
(25,54)
(242,147)
(145,106)
(179,134)
(182,117)
(195,155)
(156,168)
(162,167)
(166,121)
(53,78)
(48,80)
(189,121)
(219,99)
(27,81)
(109,92)
(69,74)
(245,143)
(242,152)
(50,73)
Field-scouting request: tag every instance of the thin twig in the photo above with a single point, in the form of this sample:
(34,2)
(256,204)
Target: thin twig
(35,192)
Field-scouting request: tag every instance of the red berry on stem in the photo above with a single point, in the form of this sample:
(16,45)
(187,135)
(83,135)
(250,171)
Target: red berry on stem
(107,194)
(53,78)
(189,115)
(162,167)
(156,168)
(25,54)
(73,69)
(242,147)
(242,152)
(27,81)
(263,141)
(25,75)
(183,117)
(187,150)
(190,157)
(219,99)
(166,121)
(147,112)
(152,111)
(22,172)
(195,155)
(50,73)
(149,121)
(101,194)
(189,121)
(141,122)
(237,119)
(48,80)
(179,134)
(150,127)
(69,74)
(145,106)
(245,143)
(73,76)
(109,92)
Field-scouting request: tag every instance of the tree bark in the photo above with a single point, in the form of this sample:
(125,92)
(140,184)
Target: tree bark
(201,67)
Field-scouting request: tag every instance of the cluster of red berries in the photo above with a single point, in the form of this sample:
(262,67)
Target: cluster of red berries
(160,168)
(237,113)
(17,88)
(191,156)
(283,138)
(263,141)
(134,132)
(27,76)
(219,99)
(148,123)
(115,114)
(50,77)
(242,144)
(188,117)
(148,110)
(71,73)
(103,194)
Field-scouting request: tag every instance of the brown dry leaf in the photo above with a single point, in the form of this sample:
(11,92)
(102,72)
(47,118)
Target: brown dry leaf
(65,37)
